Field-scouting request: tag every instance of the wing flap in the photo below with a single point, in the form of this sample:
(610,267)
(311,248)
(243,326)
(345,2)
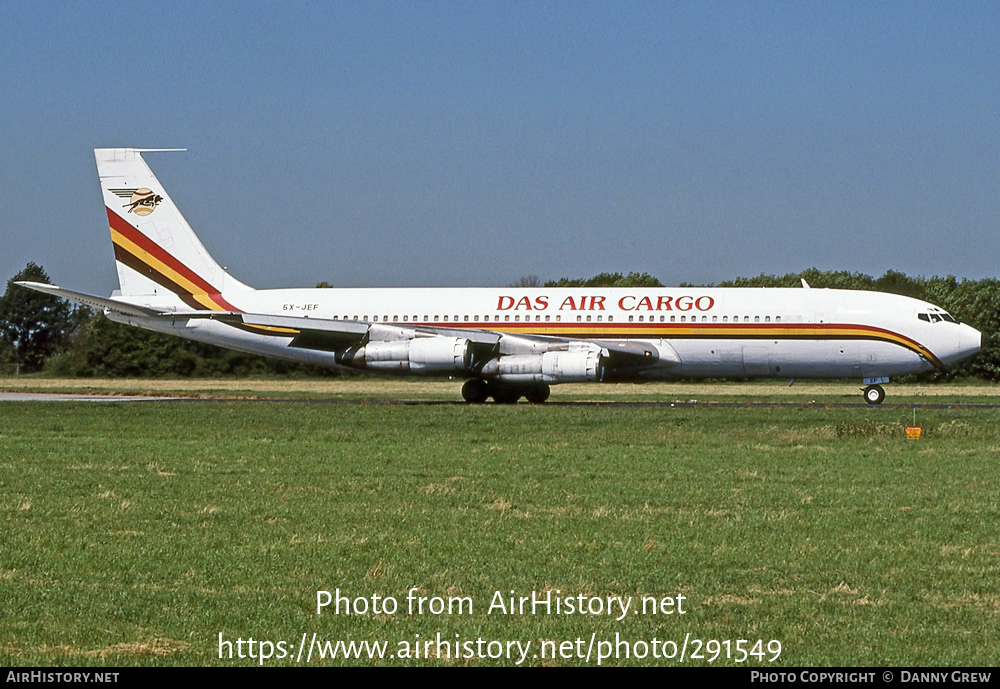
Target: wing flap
(348,330)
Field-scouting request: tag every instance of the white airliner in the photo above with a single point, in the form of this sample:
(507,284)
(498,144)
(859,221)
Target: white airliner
(508,342)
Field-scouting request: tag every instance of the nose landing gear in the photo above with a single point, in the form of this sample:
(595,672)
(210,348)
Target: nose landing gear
(874,394)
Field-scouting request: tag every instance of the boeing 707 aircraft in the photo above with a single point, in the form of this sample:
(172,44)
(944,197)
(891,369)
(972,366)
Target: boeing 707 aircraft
(509,342)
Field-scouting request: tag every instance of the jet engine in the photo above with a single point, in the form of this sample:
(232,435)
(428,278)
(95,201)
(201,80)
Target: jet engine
(573,366)
(427,355)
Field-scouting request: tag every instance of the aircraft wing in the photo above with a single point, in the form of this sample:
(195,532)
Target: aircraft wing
(333,335)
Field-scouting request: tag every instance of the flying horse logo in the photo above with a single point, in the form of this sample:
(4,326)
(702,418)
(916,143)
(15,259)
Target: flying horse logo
(140,201)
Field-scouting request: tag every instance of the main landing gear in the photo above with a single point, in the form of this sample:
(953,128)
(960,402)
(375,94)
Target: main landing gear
(477,391)
(874,394)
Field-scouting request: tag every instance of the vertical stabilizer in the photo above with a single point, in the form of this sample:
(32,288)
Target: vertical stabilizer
(158,255)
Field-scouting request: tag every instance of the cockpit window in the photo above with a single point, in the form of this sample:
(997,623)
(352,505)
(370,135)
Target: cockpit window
(936,317)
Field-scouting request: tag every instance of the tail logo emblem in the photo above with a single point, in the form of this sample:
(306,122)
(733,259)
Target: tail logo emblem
(140,201)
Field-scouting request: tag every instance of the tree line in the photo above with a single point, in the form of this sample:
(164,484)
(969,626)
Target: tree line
(39,332)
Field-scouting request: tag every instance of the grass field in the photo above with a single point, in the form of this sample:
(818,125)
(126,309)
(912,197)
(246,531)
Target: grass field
(138,533)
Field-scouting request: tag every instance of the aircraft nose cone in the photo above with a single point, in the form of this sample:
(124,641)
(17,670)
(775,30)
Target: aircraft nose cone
(970,341)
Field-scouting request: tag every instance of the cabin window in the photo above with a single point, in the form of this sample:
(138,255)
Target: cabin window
(684,319)
(631,318)
(558,317)
(725,319)
(547,318)
(610,318)
(579,318)
(746,319)
(445,319)
(777,319)
(588,318)
(767,319)
(673,319)
(437,318)
(506,318)
(756,319)
(405,318)
(715,319)
(600,318)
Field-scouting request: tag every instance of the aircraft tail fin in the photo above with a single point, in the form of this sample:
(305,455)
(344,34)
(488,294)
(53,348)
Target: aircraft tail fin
(158,256)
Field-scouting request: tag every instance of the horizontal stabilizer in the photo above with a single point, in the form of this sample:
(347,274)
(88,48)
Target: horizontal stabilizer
(101,303)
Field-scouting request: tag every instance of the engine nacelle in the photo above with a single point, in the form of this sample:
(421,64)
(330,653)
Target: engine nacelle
(579,366)
(427,355)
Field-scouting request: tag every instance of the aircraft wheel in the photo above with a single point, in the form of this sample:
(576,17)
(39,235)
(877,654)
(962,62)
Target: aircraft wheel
(874,394)
(505,395)
(475,391)
(537,394)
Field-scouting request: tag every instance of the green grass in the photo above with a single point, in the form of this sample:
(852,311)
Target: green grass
(137,533)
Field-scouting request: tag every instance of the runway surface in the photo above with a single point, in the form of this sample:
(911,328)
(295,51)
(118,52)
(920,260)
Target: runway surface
(59,397)
(690,404)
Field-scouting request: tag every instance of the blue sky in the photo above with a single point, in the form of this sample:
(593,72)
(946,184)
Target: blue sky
(472,143)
